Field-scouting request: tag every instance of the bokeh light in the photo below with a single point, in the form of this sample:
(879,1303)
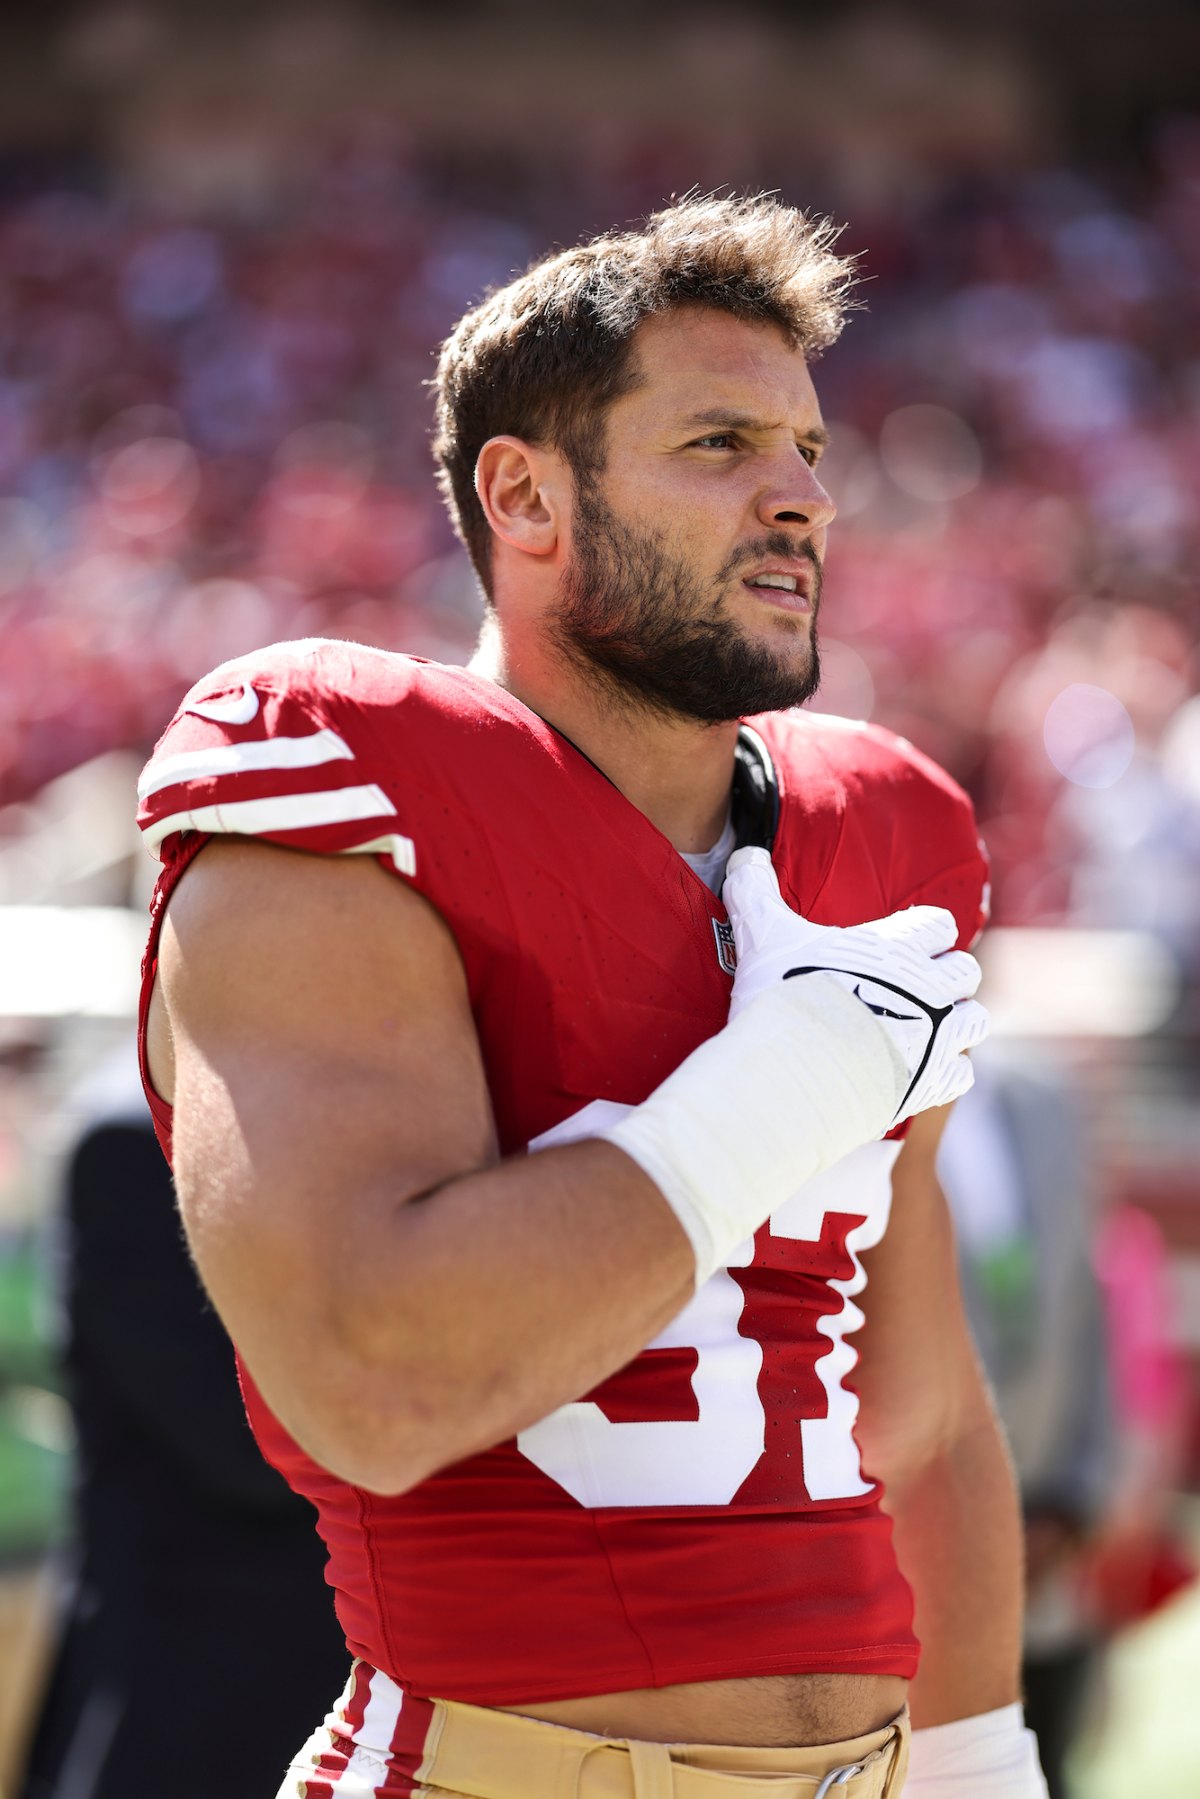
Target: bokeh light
(930,453)
(1089,735)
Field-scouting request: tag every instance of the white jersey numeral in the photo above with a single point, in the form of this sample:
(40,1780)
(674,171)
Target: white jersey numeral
(603,1462)
(860,1183)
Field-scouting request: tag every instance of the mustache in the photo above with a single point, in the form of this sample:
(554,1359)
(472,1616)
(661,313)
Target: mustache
(773,543)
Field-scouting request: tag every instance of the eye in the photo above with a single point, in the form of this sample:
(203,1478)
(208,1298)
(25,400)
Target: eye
(716,440)
(811,454)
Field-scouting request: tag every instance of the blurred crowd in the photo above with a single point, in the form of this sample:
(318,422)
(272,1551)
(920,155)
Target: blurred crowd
(213,433)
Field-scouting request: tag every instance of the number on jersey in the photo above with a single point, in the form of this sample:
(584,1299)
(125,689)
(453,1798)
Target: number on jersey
(755,1353)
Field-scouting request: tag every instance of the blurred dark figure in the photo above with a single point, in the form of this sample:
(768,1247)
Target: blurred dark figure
(1018,1174)
(196,1629)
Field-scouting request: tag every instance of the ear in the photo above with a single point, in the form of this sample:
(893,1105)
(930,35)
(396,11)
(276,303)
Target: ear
(524,491)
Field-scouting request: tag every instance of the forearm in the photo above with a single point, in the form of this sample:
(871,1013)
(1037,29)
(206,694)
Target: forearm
(536,1278)
(402,1296)
(958,1541)
(472,1302)
(458,1318)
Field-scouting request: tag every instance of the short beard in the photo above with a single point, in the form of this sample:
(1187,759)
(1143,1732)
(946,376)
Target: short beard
(639,617)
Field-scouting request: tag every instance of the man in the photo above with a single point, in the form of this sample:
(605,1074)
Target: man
(577,1421)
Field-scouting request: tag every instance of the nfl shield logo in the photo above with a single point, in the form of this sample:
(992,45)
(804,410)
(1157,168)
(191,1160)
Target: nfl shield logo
(726,953)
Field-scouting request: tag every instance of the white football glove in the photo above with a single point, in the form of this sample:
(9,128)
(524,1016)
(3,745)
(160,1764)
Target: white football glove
(810,1065)
(903,968)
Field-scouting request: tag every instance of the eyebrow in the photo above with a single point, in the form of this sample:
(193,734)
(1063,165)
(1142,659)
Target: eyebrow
(745,421)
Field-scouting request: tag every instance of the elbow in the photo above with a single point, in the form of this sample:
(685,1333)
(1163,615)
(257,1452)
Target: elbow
(939,1428)
(947,1457)
(386,1455)
(380,1407)
(388,1470)
(382,1430)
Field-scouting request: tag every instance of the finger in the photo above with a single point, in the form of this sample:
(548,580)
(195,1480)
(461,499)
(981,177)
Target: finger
(751,886)
(972,1022)
(929,928)
(960,972)
(750,855)
(959,1080)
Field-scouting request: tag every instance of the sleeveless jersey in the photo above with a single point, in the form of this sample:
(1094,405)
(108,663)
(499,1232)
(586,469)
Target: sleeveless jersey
(702,1514)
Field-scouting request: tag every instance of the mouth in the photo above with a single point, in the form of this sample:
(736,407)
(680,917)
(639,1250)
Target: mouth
(789,588)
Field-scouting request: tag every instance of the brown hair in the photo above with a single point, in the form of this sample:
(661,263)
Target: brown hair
(544,357)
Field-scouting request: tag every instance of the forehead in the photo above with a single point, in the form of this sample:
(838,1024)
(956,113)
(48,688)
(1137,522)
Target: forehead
(694,359)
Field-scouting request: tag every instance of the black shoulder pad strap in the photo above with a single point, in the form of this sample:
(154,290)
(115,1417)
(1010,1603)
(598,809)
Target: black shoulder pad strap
(755,797)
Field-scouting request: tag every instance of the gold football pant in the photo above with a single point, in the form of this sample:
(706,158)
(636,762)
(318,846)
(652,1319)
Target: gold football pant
(468,1752)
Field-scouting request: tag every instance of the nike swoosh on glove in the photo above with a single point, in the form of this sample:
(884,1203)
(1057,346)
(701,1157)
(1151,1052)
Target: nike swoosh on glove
(903,968)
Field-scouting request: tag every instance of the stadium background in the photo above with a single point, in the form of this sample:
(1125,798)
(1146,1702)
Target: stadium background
(228,244)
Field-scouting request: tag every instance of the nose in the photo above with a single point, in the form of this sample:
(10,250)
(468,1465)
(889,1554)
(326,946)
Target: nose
(796,497)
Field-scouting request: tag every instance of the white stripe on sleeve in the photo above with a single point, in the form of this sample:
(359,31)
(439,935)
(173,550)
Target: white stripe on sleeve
(282,812)
(402,851)
(244,758)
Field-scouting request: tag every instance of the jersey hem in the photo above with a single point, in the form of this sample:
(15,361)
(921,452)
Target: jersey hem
(897,1659)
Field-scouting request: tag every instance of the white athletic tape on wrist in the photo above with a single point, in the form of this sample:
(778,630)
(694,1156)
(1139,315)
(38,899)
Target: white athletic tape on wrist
(799,1078)
(990,1756)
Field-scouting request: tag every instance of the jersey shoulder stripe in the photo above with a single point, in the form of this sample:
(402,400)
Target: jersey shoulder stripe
(309,751)
(279,745)
(289,812)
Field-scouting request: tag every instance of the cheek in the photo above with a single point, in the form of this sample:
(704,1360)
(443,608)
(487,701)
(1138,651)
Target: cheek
(697,517)
(660,489)
(709,525)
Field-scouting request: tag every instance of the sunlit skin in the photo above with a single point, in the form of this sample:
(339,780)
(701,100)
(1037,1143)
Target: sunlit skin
(713,453)
(720,445)
(716,449)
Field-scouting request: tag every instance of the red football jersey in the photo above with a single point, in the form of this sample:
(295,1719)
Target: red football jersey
(702,1514)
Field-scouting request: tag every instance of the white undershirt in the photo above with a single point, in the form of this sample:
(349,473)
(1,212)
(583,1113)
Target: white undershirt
(710,864)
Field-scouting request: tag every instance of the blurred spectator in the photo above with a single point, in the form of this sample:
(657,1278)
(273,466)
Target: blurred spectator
(1140,1559)
(212,434)
(1019,1175)
(194,1618)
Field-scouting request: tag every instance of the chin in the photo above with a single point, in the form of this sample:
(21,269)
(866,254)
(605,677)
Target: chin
(797,625)
(796,663)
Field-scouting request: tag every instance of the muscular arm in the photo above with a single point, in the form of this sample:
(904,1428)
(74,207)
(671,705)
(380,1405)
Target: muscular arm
(401,1296)
(928,1430)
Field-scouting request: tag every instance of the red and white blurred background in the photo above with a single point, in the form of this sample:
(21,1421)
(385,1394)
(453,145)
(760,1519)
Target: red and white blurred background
(229,243)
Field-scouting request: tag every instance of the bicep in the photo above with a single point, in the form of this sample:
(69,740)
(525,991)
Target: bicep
(326,1069)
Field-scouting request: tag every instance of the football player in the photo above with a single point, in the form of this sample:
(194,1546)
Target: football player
(548,1051)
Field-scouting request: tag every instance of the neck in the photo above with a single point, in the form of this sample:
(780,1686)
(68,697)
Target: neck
(674,770)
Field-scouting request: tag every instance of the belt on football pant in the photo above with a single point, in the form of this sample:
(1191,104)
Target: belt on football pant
(487,1754)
